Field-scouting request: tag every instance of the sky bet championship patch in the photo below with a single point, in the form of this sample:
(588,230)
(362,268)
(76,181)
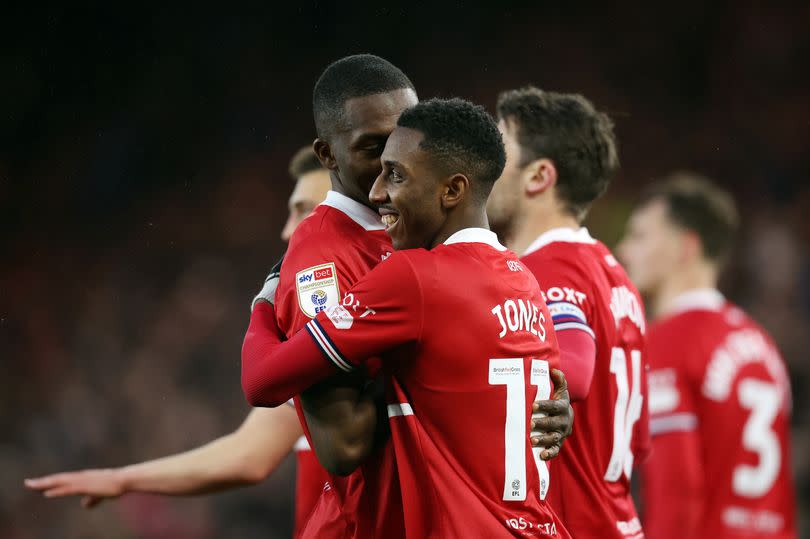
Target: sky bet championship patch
(317,288)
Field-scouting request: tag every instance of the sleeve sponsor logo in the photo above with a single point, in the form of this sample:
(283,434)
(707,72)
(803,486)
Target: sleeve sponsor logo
(317,289)
(340,317)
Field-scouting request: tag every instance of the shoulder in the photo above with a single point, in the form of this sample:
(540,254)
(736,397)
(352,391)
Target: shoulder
(411,261)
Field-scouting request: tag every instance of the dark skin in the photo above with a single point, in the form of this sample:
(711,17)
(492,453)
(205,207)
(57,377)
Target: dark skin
(341,413)
(408,182)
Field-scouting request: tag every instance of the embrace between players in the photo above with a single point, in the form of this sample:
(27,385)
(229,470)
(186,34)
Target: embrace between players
(421,354)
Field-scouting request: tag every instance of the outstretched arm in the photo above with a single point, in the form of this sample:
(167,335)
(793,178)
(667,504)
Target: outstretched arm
(244,457)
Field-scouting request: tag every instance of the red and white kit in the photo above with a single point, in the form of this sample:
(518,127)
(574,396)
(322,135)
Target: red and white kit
(587,291)
(330,250)
(720,424)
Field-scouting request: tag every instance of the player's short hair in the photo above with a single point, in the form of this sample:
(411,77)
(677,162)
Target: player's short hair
(695,203)
(568,130)
(350,77)
(462,137)
(303,162)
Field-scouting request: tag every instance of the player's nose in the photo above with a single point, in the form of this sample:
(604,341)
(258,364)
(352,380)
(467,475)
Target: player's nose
(378,194)
(289,227)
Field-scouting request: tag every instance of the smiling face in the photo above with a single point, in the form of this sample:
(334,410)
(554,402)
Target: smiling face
(367,123)
(409,191)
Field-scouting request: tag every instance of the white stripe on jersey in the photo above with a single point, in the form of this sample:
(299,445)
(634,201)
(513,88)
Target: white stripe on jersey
(301,444)
(399,409)
(575,325)
(683,422)
(324,345)
(565,308)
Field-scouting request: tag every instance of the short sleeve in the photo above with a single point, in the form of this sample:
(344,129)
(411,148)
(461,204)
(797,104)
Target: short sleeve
(382,311)
(312,278)
(566,294)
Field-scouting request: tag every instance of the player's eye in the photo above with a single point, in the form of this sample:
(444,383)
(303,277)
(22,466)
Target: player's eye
(373,151)
(395,176)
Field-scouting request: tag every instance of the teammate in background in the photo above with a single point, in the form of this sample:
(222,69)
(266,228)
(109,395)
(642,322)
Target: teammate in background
(442,312)
(244,457)
(561,155)
(356,103)
(719,391)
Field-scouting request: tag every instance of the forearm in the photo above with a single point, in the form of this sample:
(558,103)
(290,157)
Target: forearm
(342,418)
(243,457)
(188,473)
(273,372)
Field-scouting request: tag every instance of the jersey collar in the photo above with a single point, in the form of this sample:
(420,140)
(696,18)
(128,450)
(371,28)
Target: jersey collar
(699,299)
(475,235)
(560,234)
(360,214)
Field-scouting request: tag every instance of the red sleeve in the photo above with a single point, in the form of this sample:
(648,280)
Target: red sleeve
(382,311)
(577,353)
(273,372)
(316,272)
(571,310)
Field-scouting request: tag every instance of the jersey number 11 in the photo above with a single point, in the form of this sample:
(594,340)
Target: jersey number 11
(510,372)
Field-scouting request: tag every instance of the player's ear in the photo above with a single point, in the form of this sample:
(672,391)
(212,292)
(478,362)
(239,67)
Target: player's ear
(456,187)
(323,150)
(539,176)
(691,247)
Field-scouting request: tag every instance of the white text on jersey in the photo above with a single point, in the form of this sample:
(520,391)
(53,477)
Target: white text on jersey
(520,315)
(623,304)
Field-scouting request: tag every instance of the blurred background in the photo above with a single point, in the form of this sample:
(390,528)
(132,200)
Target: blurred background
(143,186)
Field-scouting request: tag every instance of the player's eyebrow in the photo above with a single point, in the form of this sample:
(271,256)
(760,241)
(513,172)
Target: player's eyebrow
(366,138)
(390,163)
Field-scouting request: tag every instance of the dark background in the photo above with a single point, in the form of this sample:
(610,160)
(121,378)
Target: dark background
(143,185)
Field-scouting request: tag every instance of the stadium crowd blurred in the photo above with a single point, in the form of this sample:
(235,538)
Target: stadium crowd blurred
(138,226)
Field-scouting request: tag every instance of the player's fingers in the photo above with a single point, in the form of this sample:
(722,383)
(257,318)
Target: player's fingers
(546,440)
(39,483)
(550,452)
(550,407)
(549,424)
(59,491)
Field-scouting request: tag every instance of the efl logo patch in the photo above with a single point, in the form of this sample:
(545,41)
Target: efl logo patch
(317,288)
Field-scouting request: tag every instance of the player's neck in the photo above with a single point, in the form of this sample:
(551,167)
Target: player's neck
(535,223)
(698,276)
(474,217)
(360,198)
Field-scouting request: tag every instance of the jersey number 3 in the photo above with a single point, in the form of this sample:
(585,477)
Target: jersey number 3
(626,412)
(762,399)
(510,372)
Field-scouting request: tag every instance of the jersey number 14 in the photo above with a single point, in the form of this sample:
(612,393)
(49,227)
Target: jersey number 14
(626,412)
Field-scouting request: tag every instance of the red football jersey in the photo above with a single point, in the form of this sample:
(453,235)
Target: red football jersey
(310,478)
(720,425)
(329,251)
(468,342)
(587,290)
